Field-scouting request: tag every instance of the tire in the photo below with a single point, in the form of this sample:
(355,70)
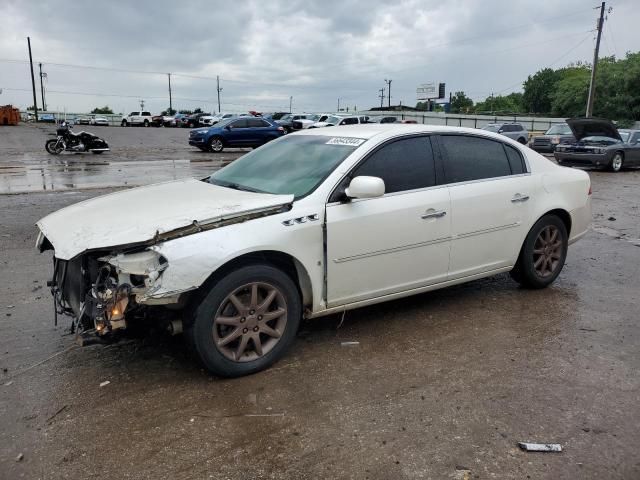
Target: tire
(146,123)
(617,162)
(207,335)
(124,123)
(543,253)
(49,147)
(97,152)
(522,140)
(216,145)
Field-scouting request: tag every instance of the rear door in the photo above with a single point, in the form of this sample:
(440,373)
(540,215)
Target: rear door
(259,131)
(490,203)
(393,243)
(632,152)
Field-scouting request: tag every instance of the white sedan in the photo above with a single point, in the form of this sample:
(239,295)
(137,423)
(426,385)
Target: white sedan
(314,223)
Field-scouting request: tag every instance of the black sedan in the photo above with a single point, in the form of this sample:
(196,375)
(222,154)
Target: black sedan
(599,144)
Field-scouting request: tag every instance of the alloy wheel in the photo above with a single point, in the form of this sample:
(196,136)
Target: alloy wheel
(616,163)
(547,251)
(216,145)
(250,322)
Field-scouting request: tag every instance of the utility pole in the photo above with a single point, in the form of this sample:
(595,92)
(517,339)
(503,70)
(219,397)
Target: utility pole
(338,104)
(33,81)
(388,82)
(218,89)
(170,99)
(381,96)
(290,103)
(492,102)
(42,75)
(141,105)
(592,83)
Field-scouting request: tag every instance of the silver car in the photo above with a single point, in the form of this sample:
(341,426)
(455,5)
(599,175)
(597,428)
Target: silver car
(511,130)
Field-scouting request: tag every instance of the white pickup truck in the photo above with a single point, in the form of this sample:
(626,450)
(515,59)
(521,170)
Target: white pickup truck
(137,118)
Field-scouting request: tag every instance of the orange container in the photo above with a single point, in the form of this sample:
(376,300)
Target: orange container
(9,115)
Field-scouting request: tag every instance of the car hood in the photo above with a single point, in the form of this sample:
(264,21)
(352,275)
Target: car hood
(592,127)
(151,214)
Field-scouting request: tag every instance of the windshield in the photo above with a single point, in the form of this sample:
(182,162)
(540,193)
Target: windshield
(333,120)
(560,129)
(295,165)
(491,128)
(624,136)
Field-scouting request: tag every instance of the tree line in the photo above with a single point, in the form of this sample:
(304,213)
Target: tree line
(563,92)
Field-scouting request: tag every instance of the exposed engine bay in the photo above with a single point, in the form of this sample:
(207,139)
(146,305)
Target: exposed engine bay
(104,292)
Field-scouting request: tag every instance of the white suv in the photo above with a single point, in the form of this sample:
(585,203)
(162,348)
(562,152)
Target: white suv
(335,120)
(137,118)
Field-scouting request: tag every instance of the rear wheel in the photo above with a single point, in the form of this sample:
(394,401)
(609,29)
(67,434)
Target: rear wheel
(543,253)
(216,145)
(146,123)
(53,147)
(124,123)
(616,162)
(246,322)
(522,140)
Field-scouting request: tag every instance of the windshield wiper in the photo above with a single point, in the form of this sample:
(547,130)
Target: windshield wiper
(235,186)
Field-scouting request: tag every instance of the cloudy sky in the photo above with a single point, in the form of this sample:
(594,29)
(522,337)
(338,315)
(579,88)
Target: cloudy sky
(314,51)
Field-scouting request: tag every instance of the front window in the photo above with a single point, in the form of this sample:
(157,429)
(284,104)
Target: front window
(491,128)
(333,120)
(560,129)
(624,136)
(295,165)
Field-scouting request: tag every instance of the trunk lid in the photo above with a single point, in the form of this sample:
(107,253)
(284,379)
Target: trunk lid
(143,214)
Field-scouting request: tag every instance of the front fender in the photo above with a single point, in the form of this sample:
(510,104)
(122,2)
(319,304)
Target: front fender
(193,258)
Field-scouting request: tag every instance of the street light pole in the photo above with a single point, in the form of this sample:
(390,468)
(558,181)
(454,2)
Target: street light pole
(290,103)
(42,75)
(170,99)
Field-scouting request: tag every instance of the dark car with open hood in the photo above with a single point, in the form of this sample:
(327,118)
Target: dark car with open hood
(599,144)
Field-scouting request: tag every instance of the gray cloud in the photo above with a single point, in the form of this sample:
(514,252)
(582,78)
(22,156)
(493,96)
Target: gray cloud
(316,52)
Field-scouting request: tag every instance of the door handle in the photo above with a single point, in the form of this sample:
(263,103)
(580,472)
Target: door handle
(433,214)
(519,198)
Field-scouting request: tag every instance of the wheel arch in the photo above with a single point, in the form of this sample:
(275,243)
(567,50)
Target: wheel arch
(283,261)
(561,213)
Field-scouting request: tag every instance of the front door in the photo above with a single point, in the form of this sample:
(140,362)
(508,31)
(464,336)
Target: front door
(396,242)
(236,136)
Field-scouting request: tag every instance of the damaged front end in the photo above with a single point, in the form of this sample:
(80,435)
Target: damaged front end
(102,292)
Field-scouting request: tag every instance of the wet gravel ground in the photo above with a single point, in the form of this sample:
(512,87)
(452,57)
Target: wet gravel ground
(441,385)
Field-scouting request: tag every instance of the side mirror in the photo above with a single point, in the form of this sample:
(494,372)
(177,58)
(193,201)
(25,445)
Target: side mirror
(365,187)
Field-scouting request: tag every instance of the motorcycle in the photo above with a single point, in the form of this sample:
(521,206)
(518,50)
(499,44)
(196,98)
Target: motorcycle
(68,141)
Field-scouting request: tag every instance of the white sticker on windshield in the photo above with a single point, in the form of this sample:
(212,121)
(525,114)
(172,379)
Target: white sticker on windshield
(349,141)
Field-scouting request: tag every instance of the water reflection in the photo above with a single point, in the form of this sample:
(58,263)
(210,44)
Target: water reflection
(76,172)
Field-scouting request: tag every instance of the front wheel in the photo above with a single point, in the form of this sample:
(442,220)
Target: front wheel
(616,162)
(522,141)
(54,147)
(543,253)
(216,145)
(146,123)
(246,322)
(124,123)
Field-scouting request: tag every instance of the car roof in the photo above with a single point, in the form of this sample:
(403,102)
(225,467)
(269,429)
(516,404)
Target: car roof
(389,130)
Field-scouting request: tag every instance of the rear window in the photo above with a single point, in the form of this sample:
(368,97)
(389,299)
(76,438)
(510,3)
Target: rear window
(473,158)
